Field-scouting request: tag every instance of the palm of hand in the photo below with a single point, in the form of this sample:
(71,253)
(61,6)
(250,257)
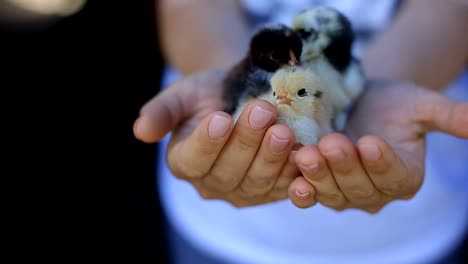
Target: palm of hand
(237,165)
(392,111)
(383,158)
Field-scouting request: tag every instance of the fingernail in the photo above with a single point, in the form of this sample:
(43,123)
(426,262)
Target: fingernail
(292,157)
(336,155)
(259,118)
(297,146)
(277,144)
(135,125)
(301,193)
(310,168)
(370,152)
(279,140)
(218,127)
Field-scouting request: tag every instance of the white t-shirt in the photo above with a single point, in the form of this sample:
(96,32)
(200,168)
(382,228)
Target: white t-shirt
(417,231)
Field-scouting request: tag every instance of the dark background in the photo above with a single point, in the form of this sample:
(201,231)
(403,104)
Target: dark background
(82,187)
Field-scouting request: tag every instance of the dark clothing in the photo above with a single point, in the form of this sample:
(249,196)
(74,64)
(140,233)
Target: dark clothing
(83,187)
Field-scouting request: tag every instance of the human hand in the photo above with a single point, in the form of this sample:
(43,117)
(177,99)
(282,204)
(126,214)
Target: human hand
(386,162)
(245,164)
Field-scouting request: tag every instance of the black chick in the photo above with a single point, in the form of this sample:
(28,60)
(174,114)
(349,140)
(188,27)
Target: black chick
(271,47)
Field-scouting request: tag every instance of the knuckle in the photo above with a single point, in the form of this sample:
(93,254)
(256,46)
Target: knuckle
(334,197)
(344,169)
(251,192)
(416,186)
(272,158)
(243,205)
(408,196)
(238,203)
(186,170)
(285,179)
(192,171)
(279,194)
(281,185)
(248,193)
(247,142)
(373,210)
(332,200)
(315,177)
(379,167)
(203,190)
(207,195)
(257,185)
(361,195)
(176,170)
(203,146)
(221,182)
(338,207)
(400,187)
(392,189)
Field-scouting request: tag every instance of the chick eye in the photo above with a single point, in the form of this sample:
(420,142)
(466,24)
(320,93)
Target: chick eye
(274,94)
(275,56)
(304,34)
(302,92)
(311,34)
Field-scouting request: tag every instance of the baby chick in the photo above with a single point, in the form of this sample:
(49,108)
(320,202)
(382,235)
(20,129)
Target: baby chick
(271,47)
(327,49)
(301,103)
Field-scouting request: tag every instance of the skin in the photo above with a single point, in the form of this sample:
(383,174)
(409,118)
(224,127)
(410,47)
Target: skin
(434,65)
(182,22)
(237,158)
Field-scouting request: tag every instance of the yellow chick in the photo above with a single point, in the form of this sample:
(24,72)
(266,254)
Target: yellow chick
(301,103)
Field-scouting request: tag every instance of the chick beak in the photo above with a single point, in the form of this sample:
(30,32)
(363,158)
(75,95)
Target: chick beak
(292,59)
(282,98)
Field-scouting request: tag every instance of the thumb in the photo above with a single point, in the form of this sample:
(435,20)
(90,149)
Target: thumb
(176,103)
(439,113)
(160,115)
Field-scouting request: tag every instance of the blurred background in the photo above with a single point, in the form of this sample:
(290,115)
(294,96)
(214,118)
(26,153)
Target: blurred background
(74,74)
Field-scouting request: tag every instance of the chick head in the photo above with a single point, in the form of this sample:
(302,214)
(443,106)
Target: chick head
(320,27)
(297,89)
(275,45)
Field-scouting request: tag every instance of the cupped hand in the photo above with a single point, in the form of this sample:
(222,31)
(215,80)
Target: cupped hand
(381,157)
(244,163)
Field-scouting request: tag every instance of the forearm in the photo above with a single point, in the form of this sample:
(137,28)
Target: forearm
(203,34)
(427,44)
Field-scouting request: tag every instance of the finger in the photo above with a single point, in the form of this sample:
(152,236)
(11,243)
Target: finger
(347,170)
(266,167)
(387,171)
(288,173)
(302,193)
(206,142)
(204,192)
(174,104)
(437,112)
(315,170)
(241,148)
